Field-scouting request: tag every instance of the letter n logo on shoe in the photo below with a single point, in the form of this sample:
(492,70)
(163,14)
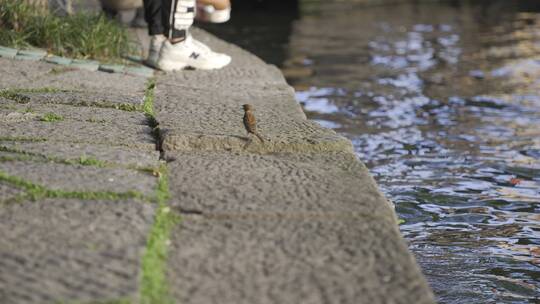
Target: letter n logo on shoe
(194,55)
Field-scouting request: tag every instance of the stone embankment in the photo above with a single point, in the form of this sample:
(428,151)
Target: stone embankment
(91,212)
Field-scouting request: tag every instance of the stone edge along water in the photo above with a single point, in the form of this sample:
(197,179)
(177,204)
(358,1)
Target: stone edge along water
(298,219)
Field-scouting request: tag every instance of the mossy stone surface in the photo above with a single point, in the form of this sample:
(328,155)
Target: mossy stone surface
(72,251)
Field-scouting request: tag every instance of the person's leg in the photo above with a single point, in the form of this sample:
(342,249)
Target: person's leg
(153,15)
(181,50)
(139,20)
(178,17)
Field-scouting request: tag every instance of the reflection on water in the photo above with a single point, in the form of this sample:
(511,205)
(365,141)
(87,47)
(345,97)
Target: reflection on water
(442,102)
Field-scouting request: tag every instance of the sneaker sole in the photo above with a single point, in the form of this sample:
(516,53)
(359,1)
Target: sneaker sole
(169,66)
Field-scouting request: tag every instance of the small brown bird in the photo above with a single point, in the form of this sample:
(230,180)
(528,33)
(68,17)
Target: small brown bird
(250,123)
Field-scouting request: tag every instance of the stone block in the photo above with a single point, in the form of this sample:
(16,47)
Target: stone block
(239,183)
(140,71)
(110,87)
(112,68)
(7,52)
(70,251)
(58,60)
(88,65)
(31,54)
(309,260)
(88,125)
(115,155)
(79,178)
(8,192)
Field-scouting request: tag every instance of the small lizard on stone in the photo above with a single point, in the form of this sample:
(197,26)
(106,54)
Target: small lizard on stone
(250,123)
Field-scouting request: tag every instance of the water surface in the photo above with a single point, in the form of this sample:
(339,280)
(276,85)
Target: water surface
(442,102)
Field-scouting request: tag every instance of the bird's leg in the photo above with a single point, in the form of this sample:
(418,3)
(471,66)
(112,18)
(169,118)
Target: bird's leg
(249,141)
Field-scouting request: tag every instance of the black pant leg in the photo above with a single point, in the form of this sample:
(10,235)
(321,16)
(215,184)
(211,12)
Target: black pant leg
(153,14)
(169,8)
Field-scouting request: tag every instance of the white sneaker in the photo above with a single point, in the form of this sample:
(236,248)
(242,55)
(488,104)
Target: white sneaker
(190,53)
(156,42)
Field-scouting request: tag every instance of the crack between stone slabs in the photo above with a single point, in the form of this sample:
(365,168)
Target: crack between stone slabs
(34,191)
(83,160)
(148,110)
(154,287)
(39,139)
(23,139)
(15,199)
(153,279)
(21,96)
(17,94)
(192,212)
(111,301)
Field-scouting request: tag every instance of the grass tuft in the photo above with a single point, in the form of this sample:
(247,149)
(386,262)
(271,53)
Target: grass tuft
(61,70)
(81,35)
(90,161)
(19,95)
(154,287)
(83,160)
(148,109)
(148,106)
(127,107)
(52,117)
(23,139)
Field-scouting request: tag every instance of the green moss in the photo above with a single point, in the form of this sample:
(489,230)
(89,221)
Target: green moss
(51,117)
(148,107)
(4,158)
(115,301)
(127,107)
(7,158)
(17,97)
(8,107)
(35,90)
(82,160)
(61,70)
(27,110)
(154,287)
(26,139)
(35,191)
(95,120)
(20,95)
(15,199)
(89,161)
(80,35)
